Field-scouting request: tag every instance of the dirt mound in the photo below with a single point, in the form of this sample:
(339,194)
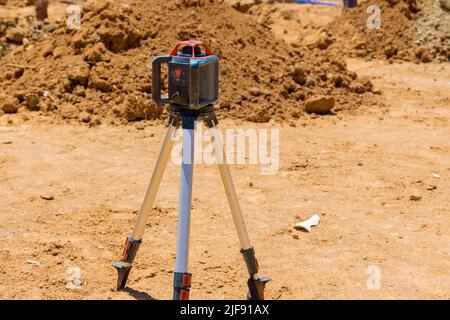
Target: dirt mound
(20,31)
(409,30)
(433,31)
(400,35)
(17,3)
(102,72)
(18,26)
(5,25)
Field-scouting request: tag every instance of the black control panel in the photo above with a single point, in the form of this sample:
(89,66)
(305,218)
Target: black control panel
(179,78)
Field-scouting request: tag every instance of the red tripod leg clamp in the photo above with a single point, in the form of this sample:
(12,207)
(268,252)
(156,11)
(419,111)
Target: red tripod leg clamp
(130,248)
(182,285)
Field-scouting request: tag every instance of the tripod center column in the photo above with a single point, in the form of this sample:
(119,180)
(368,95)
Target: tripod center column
(184,213)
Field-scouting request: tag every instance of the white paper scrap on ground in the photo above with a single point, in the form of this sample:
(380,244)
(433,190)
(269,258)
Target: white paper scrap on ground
(307,224)
(436,175)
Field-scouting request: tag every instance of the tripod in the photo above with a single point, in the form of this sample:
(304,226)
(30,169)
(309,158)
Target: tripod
(182,279)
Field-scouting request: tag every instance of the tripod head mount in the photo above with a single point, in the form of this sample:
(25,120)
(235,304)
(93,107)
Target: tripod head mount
(180,115)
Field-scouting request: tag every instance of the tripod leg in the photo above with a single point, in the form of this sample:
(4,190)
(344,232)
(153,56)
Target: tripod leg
(256,285)
(182,279)
(132,243)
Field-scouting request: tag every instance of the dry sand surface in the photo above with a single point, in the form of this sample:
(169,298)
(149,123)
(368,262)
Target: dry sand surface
(75,164)
(356,170)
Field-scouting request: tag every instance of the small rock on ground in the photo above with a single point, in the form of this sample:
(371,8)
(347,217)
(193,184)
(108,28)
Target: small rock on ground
(319,104)
(47,196)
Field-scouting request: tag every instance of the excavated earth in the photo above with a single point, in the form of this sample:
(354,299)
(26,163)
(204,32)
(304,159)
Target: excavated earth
(102,73)
(409,30)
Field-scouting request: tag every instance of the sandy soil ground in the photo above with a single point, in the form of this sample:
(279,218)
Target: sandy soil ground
(357,170)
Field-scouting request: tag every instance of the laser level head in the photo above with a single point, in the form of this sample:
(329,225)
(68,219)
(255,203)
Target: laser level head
(193,76)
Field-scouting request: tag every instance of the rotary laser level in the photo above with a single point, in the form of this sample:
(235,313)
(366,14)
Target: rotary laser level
(193,88)
(193,76)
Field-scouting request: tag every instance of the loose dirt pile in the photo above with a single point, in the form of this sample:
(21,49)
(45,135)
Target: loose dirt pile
(102,71)
(5,25)
(19,3)
(20,31)
(433,30)
(18,25)
(409,30)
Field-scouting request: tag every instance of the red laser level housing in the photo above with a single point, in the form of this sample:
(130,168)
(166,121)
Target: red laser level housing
(193,76)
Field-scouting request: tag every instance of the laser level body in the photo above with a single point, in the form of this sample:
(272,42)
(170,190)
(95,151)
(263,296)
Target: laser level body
(193,76)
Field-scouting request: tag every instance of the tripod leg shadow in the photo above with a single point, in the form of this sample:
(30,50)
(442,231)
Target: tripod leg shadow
(138,295)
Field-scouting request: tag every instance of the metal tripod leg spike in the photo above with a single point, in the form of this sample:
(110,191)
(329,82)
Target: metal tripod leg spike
(182,278)
(124,266)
